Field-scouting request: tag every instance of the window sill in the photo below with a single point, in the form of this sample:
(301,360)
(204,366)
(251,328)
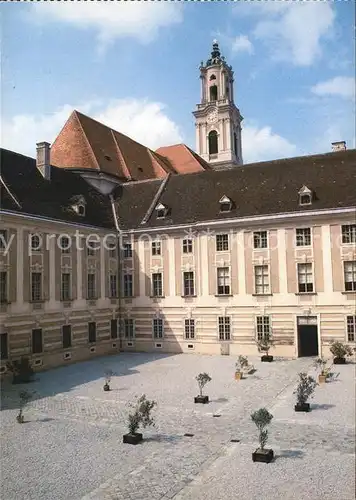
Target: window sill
(66,300)
(5,302)
(188,296)
(262,294)
(40,301)
(157,296)
(94,299)
(346,292)
(223,295)
(306,293)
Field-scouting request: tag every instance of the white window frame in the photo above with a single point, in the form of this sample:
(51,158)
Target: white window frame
(193,280)
(303,236)
(124,290)
(189,329)
(4,287)
(40,297)
(305,264)
(224,328)
(94,288)
(157,322)
(263,326)
(66,240)
(258,237)
(128,328)
(351,328)
(69,297)
(266,286)
(115,287)
(187,245)
(353,274)
(226,279)
(127,251)
(222,240)
(349,231)
(156,248)
(33,238)
(153,287)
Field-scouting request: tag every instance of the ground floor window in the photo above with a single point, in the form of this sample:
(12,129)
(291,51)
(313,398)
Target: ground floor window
(263,327)
(158,328)
(92,331)
(129,328)
(351,328)
(224,328)
(189,329)
(3,346)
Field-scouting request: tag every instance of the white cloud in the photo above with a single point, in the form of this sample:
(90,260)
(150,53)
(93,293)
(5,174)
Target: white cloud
(293,31)
(341,86)
(241,43)
(261,144)
(144,121)
(140,20)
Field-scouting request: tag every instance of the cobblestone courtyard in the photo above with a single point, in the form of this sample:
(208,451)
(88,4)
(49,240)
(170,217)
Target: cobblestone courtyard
(71,446)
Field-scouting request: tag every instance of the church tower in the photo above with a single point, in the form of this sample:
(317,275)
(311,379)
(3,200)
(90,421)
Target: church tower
(217,119)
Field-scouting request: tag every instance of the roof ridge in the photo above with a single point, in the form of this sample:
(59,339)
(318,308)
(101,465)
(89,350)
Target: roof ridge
(126,170)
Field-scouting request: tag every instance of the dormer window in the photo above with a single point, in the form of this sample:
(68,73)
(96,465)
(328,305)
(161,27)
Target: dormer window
(81,210)
(225,204)
(78,204)
(305,196)
(161,211)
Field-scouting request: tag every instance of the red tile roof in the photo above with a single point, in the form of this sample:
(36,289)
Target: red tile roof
(86,143)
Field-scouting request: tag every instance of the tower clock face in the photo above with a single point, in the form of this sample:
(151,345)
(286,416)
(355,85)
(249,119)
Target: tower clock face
(213,116)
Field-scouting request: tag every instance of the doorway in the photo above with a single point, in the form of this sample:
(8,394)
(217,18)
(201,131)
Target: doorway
(308,344)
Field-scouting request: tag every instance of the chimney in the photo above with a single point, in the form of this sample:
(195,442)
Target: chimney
(43,162)
(338,146)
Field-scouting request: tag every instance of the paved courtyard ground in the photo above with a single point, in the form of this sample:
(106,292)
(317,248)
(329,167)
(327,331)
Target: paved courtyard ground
(71,446)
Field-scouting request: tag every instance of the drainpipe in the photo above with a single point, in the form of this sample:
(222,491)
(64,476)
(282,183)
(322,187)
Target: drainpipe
(119,239)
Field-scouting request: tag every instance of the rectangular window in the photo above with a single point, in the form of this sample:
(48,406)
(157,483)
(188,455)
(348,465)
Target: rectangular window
(350,276)
(156,248)
(91,286)
(224,328)
(222,242)
(129,328)
(261,280)
(65,244)
(157,287)
(37,346)
(158,328)
(128,285)
(303,237)
(67,336)
(189,329)
(113,286)
(349,233)
(92,331)
(90,248)
(263,327)
(351,328)
(3,239)
(4,346)
(188,283)
(305,278)
(65,287)
(36,286)
(113,328)
(223,281)
(260,239)
(127,250)
(3,287)
(187,245)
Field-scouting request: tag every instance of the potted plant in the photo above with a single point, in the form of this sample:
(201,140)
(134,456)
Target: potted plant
(108,375)
(304,391)
(262,418)
(320,364)
(340,351)
(202,379)
(264,345)
(140,416)
(22,371)
(241,363)
(25,397)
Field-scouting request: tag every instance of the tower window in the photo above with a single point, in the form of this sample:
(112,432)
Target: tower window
(235,144)
(213,142)
(213,93)
(213,77)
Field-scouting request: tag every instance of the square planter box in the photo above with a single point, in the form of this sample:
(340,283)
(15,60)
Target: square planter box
(303,407)
(201,399)
(266,359)
(132,438)
(265,456)
(321,379)
(238,375)
(339,361)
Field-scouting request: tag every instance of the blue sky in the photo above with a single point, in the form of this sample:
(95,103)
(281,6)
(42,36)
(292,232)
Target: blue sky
(134,66)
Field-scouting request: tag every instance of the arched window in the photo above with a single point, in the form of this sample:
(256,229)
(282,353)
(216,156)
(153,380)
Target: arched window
(213,93)
(213,77)
(213,142)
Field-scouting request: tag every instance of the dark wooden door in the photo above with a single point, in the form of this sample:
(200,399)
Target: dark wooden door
(308,340)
